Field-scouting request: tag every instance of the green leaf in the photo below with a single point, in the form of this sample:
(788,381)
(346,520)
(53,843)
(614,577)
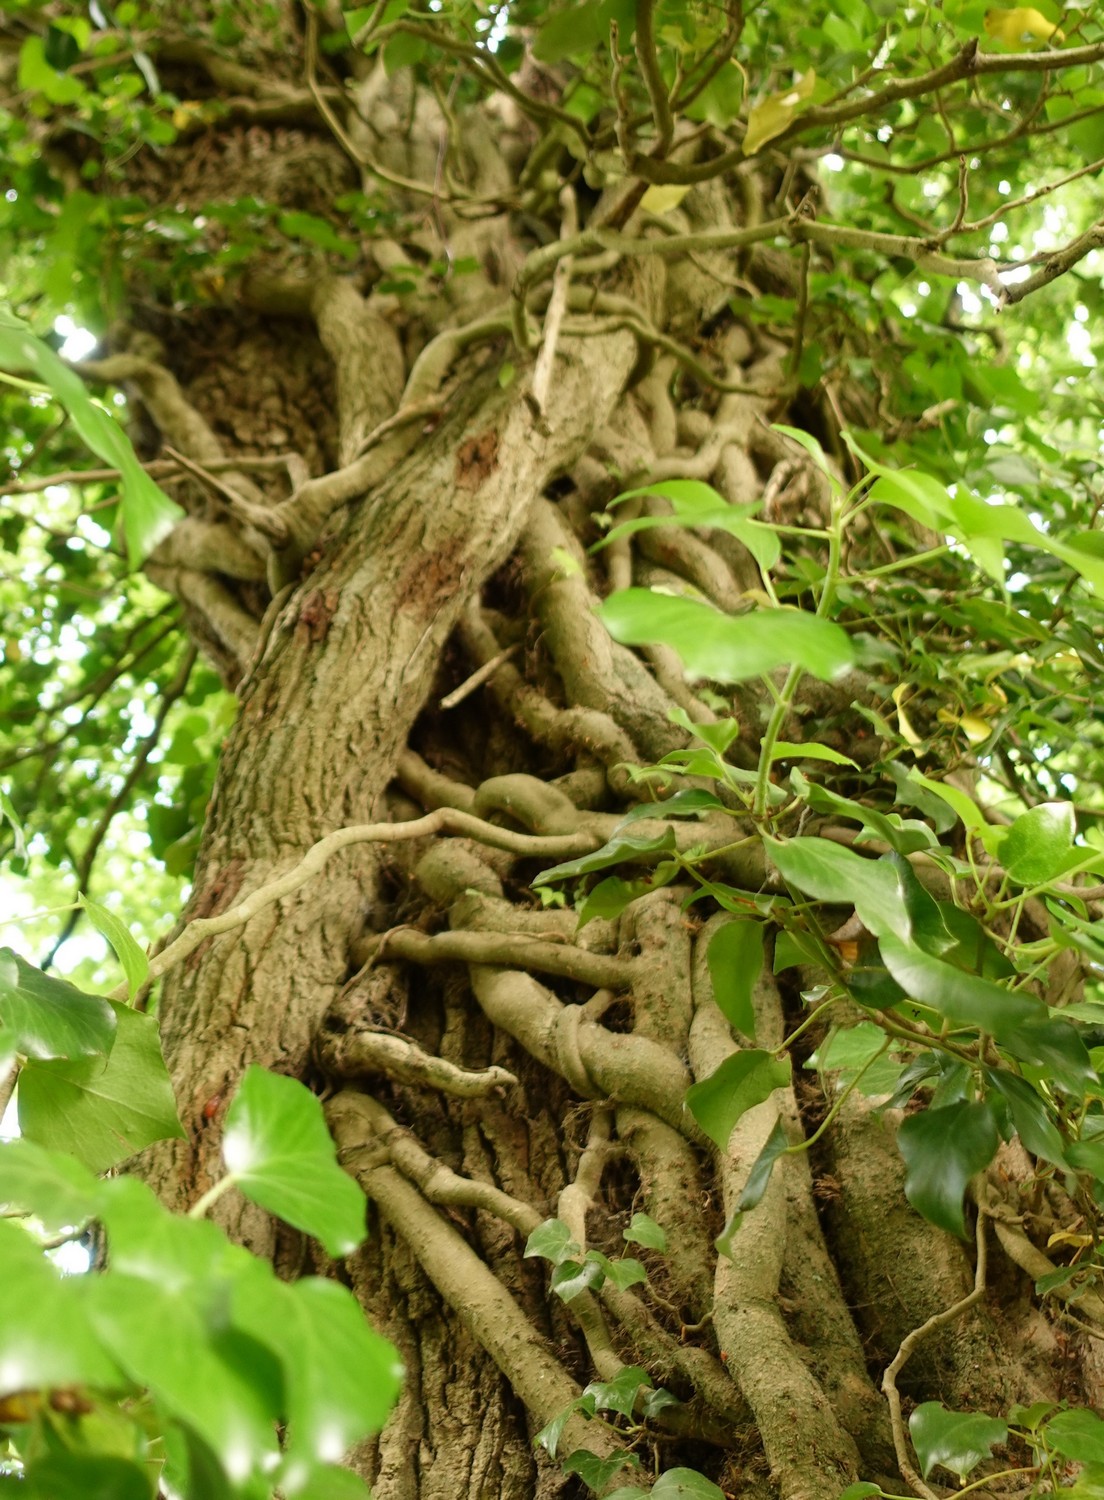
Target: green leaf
(905,836)
(741,1082)
(758,1180)
(1036,847)
(862,1490)
(623,1272)
(610,897)
(790,750)
(341,1377)
(1029,1115)
(148,513)
(728,648)
(549,1436)
(551,1241)
(943,1149)
(48,1018)
(281,1155)
(225,1387)
(812,448)
(964,999)
(62,1475)
(957,1440)
(644,1230)
(321,1482)
(618,1394)
(134,961)
(102,1112)
(49,1184)
(685,1484)
(696,504)
(595,1472)
(1078,1435)
(571,1277)
(48,1340)
(735,959)
(693,802)
(625,846)
(885,893)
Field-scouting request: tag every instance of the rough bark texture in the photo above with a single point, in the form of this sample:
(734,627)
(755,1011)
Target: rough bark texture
(341,599)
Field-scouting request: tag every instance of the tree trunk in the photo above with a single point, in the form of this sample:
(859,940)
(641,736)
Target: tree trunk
(401,562)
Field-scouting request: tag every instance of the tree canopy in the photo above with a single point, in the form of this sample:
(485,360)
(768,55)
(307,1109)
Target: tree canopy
(560,546)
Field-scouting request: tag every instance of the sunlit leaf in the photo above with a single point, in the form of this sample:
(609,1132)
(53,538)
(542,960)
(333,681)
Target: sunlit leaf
(1021,25)
(772,115)
(280,1153)
(102,1111)
(728,648)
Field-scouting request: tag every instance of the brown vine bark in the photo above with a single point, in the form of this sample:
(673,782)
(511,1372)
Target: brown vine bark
(432,521)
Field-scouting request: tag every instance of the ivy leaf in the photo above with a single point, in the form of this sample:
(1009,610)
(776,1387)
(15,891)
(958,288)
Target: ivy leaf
(134,961)
(790,750)
(771,116)
(280,1153)
(957,1440)
(101,1111)
(551,1241)
(741,1082)
(49,1184)
(1037,846)
(735,960)
(82,1475)
(693,802)
(45,1017)
(1029,1115)
(341,1377)
(644,1230)
(756,1185)
(905,836)
(1078,1435)
(943,1149)
(685,1484)
(48,1338)
(965,999)
(618,1394)
(571,1277)
(626,846)
(148,513)
(595,1472)
(728,648)
(885,893)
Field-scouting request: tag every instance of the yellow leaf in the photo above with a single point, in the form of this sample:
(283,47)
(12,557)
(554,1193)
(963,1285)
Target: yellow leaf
(904,724)
(770,118)
(974,728)
(1022,24)
(662,197)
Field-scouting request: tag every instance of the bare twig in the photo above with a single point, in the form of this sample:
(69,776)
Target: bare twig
(442,820)
(478,677)
(909,1344)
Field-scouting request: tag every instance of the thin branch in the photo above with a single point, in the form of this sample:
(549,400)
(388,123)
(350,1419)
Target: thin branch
(557,306)
(441,820)
(173,692)
(1058,262)
(158,468)
(648,59)
(478,678)
(909,1344)
(1032,197)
